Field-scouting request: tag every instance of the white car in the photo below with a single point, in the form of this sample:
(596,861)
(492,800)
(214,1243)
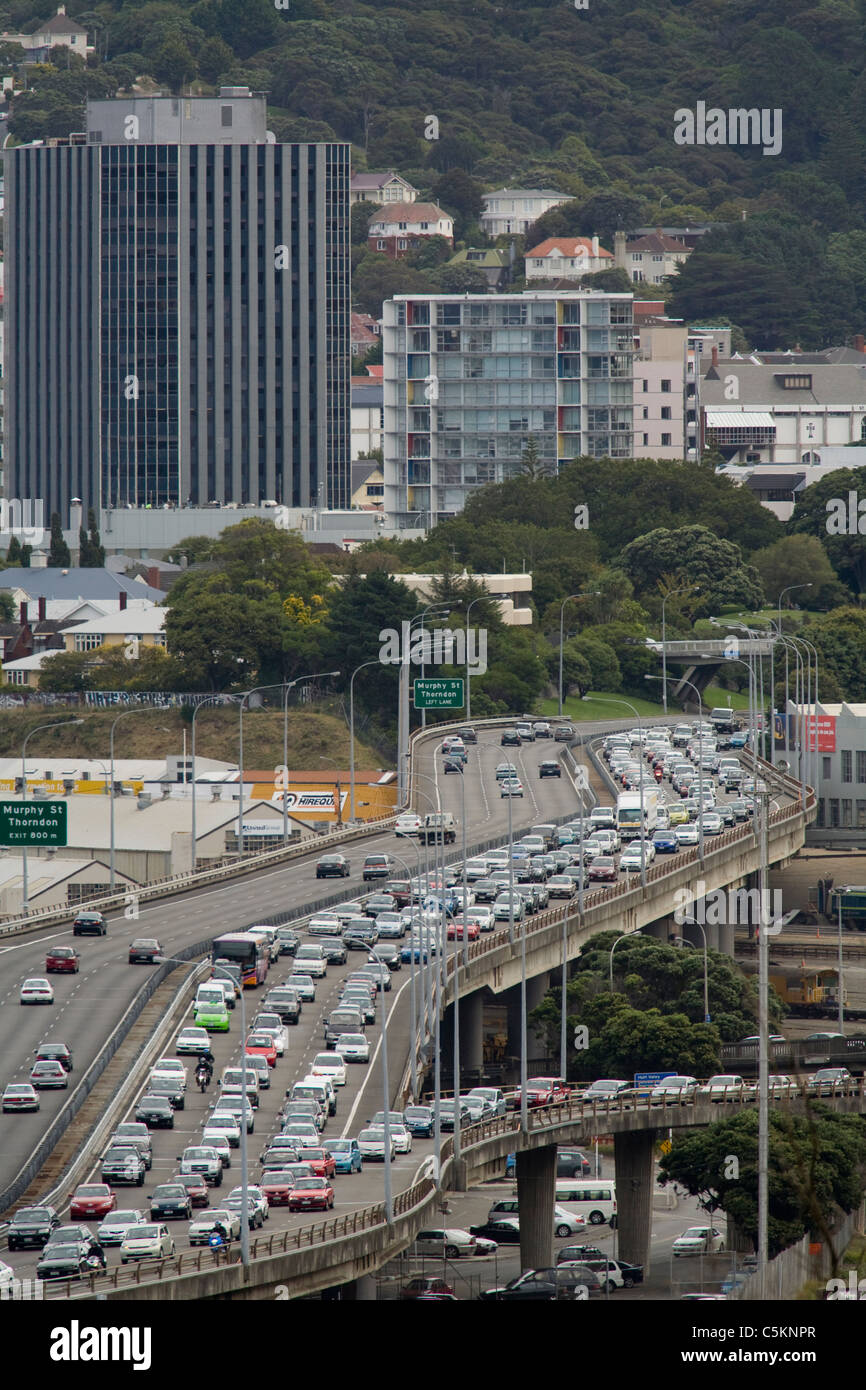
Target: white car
(782,1086)
(631,860)
(353,1047)
(401,1139)
(258,1200)
(305,1133)
(674,1089)
(330,1064)
(192,1041)
(687,834)
(148,1242)
(201,1226)
(305,986)
(113,1229)
(274,1027)
(452,1243)
(699,1240)
(727,1087)
(222,1126)
(36,992)
(170,1069)
(218,1141)
(371,1142)
(327,922)
(407,823)
(475,869)
(561,886)
(712,823)
(608,839)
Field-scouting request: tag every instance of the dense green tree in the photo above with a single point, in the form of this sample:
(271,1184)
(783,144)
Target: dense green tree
(704,559)
(840,637)
(58,551)
(824,509)
(786,561)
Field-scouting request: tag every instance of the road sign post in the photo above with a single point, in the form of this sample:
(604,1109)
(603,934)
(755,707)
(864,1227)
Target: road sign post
(438,694)
(32,823)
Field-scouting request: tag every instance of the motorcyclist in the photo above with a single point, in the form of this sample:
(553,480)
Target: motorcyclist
(206,1060)
(96,1253)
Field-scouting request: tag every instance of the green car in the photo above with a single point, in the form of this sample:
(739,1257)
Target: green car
(213,1017)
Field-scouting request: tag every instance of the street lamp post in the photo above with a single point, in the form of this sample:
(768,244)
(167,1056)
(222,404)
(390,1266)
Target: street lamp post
(138,710)
(469,608)
(622,936)
(674,593)
(693,923)
(352,734)
(413,1042)
(593,593)
(55,725)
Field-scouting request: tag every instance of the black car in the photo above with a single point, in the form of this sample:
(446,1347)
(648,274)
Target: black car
(571,1163)
(452,765)
(563,733)
(32,1226)
(89,924)
(333,866)
(360,938)
(156,1112)
(576,1254)
(418,1119)
(170,1201)
(550,768)
(485,890)
(63,1262)
(468,734)
(335,951)
(504,1232)
(144,950)
(545,1285)
(288,941)
(389,955)
(172,1090)
(509,738)
(54,1052)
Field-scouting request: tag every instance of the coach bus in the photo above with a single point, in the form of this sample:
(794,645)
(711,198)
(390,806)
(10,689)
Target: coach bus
(251,953)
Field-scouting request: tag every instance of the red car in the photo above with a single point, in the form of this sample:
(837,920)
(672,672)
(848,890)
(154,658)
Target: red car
(196,1186)
(602,870)
(262,1045)
(311,1194)
(91,1200)
(277,1187)
(457,929)
(62,960)
(429,1289)
(546,1090)
(322,1162)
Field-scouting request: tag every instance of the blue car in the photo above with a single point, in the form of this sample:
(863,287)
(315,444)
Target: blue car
(665,842)
(416,952)
(740,739)
(347,1155)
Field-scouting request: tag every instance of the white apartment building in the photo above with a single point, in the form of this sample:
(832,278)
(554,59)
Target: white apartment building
(512,211)
(469,379)
(658,388)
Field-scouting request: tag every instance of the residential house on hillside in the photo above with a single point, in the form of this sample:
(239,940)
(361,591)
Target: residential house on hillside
(397,227)
(510,211)
(57,32)
(494,264)
(364,333)
(566,257)
(648,259)
(387,187)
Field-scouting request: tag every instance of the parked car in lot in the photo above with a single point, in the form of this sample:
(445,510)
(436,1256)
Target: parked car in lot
(564,1283)
(451,1243)
(429,1289)
(62,960)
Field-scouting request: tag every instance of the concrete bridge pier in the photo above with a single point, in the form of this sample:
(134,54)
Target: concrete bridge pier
(633,1159)
(661,929)
(536,1192)
(536,988)
(726,938)
(472,1033)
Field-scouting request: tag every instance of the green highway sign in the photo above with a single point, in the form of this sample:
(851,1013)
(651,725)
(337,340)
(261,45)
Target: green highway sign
(436,694)
(31,823)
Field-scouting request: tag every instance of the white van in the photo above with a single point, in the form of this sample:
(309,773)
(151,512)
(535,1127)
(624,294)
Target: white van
(311,958)
(592,1198)
(210,993)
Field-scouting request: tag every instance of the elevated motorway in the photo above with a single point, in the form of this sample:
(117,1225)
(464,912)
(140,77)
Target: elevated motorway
(492,963)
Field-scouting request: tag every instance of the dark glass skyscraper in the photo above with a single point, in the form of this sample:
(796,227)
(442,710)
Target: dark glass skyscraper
(177,306)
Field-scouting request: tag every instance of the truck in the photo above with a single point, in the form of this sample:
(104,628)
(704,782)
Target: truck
(438,826)
(628,809)
(723,720)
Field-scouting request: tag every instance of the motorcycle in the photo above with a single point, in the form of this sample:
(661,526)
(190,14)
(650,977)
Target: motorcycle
(202,1078)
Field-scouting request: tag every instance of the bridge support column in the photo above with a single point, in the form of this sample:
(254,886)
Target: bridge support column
(633,1158)
(536,1189)
(472,1034)
(661,929)
(726,938)
(536,988)
(360,1290)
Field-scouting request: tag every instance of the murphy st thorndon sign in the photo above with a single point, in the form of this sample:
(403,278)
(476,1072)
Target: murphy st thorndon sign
(440,646)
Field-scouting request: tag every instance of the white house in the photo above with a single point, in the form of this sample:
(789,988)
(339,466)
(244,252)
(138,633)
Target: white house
(563,258)
(385,187)
(396,227)
(513,210)
(57,32)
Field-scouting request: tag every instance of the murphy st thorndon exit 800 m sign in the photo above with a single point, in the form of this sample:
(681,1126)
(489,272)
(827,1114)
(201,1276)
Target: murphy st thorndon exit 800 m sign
(32,823)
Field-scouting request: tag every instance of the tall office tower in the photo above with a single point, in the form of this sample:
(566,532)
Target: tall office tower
(470,378)
(178,309)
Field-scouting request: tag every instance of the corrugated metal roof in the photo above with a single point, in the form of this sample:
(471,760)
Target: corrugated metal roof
(739,420)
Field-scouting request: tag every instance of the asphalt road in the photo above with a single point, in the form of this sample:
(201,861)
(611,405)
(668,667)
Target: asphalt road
(89,1005)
